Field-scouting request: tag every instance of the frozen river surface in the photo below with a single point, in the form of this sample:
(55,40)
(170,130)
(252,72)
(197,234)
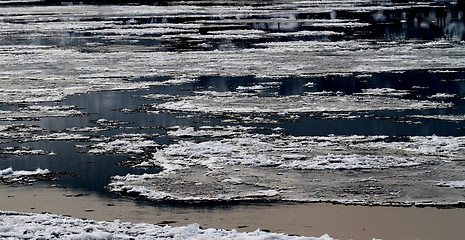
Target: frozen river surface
(352,102)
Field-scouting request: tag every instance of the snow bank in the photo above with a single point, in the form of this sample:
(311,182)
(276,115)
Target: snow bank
(15,225)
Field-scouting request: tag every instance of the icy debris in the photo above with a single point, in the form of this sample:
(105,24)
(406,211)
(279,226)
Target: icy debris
(309,84)
(59,136)
(452,184)
(305,34)
(236,102)
(133,185)
(443,95)
(451,118)
(123,144)
(208,131)
(331,152)
(10,176)
(24,151)
(300,153)
(336,24)
(225,34)
(353,161)
(384,92)
(8,172)
(121,147)
(19,131)
(36,226)
(36,111)
(256,88)
(106,122)
(245,119)
(86,129)
(450,148)
(164,97)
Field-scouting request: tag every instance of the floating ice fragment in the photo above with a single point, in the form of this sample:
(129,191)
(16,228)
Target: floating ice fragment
(10,176)
(443,95)
(384,92)
(452,184)
(9,172)
(235,102)
(452,118)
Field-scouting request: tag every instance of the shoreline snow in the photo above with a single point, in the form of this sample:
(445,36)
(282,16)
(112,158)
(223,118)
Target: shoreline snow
(14,225)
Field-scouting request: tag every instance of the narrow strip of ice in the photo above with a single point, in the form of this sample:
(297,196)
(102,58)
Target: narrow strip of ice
(236,102)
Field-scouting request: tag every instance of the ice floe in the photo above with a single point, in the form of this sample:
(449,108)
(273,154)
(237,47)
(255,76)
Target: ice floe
(450,117)
(443,95)
(60,136)
(24,151)
(16,225)
(36,111)
(233,102)
(452,184)
(122,144)
(384,92)
(257,167)
(10,176)
(332,152)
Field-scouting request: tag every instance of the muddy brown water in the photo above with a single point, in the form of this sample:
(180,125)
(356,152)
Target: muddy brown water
(338,221)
